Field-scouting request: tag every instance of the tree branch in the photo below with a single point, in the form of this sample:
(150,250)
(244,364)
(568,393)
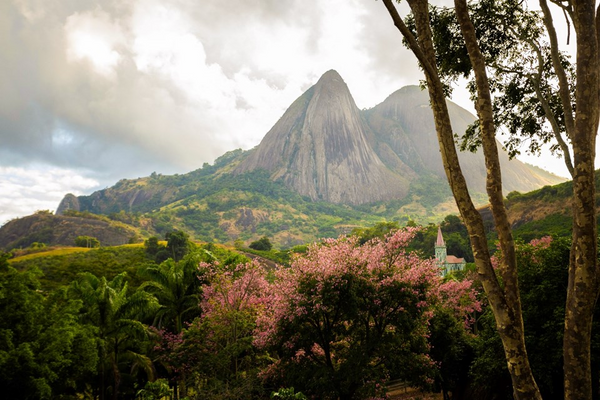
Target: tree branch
(412,41)
(553,123)
(536,80)
(563,83)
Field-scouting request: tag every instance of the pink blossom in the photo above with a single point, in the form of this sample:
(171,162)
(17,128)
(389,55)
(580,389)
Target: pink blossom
(542,243)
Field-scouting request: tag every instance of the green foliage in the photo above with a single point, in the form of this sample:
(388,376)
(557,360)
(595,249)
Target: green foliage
(60,270)
(43,351)
(281,257)
(156,390)
(288,394)
(87,241)
(379,230)
(429,191)
(263,244)
(154,250)
(559,225)
(115,316)
(176,287)
(453,349)
(178,244)
(543,278)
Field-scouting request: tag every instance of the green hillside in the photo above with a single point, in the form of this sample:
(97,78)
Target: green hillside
(45,228)
(61,266)
(212,204)
(545,211)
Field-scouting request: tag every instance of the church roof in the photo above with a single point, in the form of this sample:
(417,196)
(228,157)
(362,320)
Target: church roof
(440,239)
(454,260)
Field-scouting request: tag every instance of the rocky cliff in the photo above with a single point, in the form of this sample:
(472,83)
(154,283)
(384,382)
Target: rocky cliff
(319,148)
(323,147)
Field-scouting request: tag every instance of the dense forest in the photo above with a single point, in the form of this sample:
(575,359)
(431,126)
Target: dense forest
(338,319)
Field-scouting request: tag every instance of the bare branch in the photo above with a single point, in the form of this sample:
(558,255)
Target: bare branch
(564,5)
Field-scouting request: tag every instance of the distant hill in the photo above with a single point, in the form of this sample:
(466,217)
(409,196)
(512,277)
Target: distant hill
(45,227)
(545,211)
(324,168)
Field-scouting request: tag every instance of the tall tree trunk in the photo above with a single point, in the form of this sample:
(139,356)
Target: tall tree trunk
(116,372)
(505,304)
(513,338)
(582,292)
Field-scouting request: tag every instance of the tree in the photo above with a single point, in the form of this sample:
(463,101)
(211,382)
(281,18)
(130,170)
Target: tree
(176,287)
(543,277)
(87,241)
(263,244)
(115,315)
(380,230)
(178,244)
(44,352)
(216,353)
(345,317)
(504,298)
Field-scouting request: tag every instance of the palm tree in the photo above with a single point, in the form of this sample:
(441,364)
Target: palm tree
(116,317)
(176,287)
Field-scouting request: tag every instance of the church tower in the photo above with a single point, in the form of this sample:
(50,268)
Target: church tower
(440,248)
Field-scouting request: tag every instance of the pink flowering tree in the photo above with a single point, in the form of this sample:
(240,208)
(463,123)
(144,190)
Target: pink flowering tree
(345,318)
(216,353)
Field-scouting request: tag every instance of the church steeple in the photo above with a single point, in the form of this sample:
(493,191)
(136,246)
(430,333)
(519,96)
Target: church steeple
(447,263)
(440,239)
(440,248)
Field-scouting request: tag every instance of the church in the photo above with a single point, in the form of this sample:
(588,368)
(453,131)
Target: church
(447,263)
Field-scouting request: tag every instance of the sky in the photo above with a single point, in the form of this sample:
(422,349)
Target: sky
(94,91)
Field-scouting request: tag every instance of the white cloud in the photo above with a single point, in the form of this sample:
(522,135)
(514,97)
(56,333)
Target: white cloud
(126,88)
(26,190)
(93,36)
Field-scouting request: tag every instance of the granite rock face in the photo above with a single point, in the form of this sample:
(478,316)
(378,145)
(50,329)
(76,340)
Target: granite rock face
(69,202)
(320,149)
(325,148)
(405,122)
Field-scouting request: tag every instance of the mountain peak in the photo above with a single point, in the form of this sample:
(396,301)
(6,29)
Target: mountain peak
(320,149)
(331,74)
(332,88)
(331,77)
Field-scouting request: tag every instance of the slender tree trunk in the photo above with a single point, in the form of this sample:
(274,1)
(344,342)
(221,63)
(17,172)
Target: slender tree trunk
(582,292)
(523,381)
(505,304)
(102,383)
(116,373)
(563,82)
(102,373)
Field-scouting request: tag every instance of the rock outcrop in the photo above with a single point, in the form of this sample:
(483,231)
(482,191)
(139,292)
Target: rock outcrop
(404,122)
(319,148)
(69,202)
(323,147)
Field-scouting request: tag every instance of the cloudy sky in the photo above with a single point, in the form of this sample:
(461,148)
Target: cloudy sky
(92,91)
